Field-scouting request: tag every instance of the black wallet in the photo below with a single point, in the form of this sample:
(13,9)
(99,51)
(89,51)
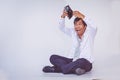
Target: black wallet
(69,11)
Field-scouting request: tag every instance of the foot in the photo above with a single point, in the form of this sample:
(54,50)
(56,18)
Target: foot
(48,69)
(79,71)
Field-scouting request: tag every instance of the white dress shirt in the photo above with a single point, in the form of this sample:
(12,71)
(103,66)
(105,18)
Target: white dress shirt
(81,48)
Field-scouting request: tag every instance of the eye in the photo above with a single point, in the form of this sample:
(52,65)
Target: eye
(79,24)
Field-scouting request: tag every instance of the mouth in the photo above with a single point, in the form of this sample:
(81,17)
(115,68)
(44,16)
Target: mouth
(77,30)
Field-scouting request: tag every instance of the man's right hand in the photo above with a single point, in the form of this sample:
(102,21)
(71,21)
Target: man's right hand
(64,14)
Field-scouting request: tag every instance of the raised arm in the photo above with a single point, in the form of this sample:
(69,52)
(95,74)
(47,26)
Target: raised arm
(62,27)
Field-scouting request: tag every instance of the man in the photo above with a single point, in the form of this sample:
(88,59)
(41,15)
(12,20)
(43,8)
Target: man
(83,35)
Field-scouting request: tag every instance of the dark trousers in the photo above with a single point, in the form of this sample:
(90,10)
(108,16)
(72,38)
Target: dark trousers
(67,66)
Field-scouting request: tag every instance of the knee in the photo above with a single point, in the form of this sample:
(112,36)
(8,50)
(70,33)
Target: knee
(89,68)
(52,58)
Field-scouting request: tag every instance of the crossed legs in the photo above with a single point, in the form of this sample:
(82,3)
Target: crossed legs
(66,66)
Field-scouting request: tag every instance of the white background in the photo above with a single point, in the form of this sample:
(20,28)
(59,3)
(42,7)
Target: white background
(29,33)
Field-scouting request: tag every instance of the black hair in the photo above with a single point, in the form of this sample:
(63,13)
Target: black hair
(77,19)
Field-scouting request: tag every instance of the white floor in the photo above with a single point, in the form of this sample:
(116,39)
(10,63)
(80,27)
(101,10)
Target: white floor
(105,68)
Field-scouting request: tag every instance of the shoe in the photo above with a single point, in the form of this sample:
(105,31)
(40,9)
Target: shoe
(79,71)
(48,69)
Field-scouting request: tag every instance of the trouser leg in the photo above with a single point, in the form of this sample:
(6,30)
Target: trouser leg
(59,61)
(80,63)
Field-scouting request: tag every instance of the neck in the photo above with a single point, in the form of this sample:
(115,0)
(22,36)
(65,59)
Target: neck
(80,36)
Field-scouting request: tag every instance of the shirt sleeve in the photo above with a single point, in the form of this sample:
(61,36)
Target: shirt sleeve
(64,29)
(90,25)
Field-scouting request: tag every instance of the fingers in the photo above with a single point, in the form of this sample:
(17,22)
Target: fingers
(78,14)
(64,14)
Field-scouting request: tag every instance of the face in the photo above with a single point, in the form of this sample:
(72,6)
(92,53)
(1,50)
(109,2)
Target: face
(79,27)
